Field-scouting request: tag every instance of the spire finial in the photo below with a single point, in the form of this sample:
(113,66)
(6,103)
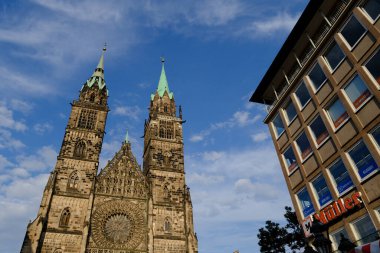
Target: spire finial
(162,60)
(105,47)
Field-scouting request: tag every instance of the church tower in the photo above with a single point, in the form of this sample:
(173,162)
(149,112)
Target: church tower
(172,227)
(62,223)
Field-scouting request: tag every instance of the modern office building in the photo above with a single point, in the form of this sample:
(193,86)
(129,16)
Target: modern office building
(322,97)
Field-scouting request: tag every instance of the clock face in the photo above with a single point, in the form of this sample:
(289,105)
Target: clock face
(117,228)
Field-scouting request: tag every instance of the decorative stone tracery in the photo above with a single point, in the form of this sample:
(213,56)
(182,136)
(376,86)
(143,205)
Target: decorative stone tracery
(118,224)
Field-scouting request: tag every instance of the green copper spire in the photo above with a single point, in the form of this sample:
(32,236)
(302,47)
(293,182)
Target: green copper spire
(126,137)
(98,75)
(163,83)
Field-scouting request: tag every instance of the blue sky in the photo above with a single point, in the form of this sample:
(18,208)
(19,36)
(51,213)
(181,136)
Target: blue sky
(216,53)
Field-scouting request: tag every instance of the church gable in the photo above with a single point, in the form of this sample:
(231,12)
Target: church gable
(122,176)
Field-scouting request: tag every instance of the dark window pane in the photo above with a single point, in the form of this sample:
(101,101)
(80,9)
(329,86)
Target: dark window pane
(353,31)
(279,126)
(319,130)
(305,201)
(374,66)
(366,230)
(322,190)
(372,7)
(317,76)
(376,135)
(341,176)
(290,111)
(302,94)
(334,55)
(290,159)
(363,159)
(304,145)
(337,113)
(357,91)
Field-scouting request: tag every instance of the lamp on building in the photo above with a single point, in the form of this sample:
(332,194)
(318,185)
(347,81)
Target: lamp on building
(345,245)
(321,243)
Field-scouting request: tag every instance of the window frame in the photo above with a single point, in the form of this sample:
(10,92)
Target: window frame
(309,149)
(349,188)
(290,121)
(332,101)
(368,98)
(296,165)
(329,47)
(311,81)
(300,203)
(316,192)
(353,163)
(355,231)
(377,144)
(315,139)
(369,74)
(297,98)
(278,135)
(359,39)
(337,231)
(367,14)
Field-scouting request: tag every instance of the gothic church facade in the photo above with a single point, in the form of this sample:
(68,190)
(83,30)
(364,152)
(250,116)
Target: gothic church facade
(123,209)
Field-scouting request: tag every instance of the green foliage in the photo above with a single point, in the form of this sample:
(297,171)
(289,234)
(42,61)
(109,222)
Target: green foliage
(276,239)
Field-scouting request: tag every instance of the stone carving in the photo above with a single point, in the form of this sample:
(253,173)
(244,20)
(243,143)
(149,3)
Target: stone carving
(118,224)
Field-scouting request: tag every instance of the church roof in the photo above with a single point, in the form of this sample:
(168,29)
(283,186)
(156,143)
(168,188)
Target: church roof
(97,77)
(163,84)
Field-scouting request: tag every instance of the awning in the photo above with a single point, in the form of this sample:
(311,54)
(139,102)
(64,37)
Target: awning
(373,247)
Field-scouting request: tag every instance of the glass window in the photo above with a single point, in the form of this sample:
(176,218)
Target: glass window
(302,94)
(376,135)
(319,130)
(353,31)
(290,159)
(337,113)
(341,177)
(373,66)
(334,55)
(372,7)
(303,145)
(357,91)
(365,230)
(290,111)
(278,125)
(317,76)
(335,237)
(305,202)
(323,192)
(363,159)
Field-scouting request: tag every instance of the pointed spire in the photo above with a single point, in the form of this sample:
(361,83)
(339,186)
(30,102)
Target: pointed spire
(99,71)
(127,137)
(163,83)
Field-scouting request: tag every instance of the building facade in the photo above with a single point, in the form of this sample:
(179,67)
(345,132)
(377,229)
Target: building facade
(322,94)
(123,208)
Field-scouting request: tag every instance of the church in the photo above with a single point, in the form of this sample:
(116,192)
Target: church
(124,208)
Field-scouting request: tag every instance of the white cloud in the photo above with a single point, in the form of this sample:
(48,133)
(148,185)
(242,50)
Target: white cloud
(44,160)
(202,178)
(239,118)
(282,22)
(7,120)
(259,137)
(129,111)
(7,140)
(41,128)
(212,155)
(4,162)
(21,106)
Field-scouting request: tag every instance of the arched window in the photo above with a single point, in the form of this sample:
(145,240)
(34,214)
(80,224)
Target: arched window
(58,251)
(166,192)
(65,217)
(165,108)
(162,132)
(73,181)
(169,134)
(80,149)
(167,225)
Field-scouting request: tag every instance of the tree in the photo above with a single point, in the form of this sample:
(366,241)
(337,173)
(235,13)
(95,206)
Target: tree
(276,239)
